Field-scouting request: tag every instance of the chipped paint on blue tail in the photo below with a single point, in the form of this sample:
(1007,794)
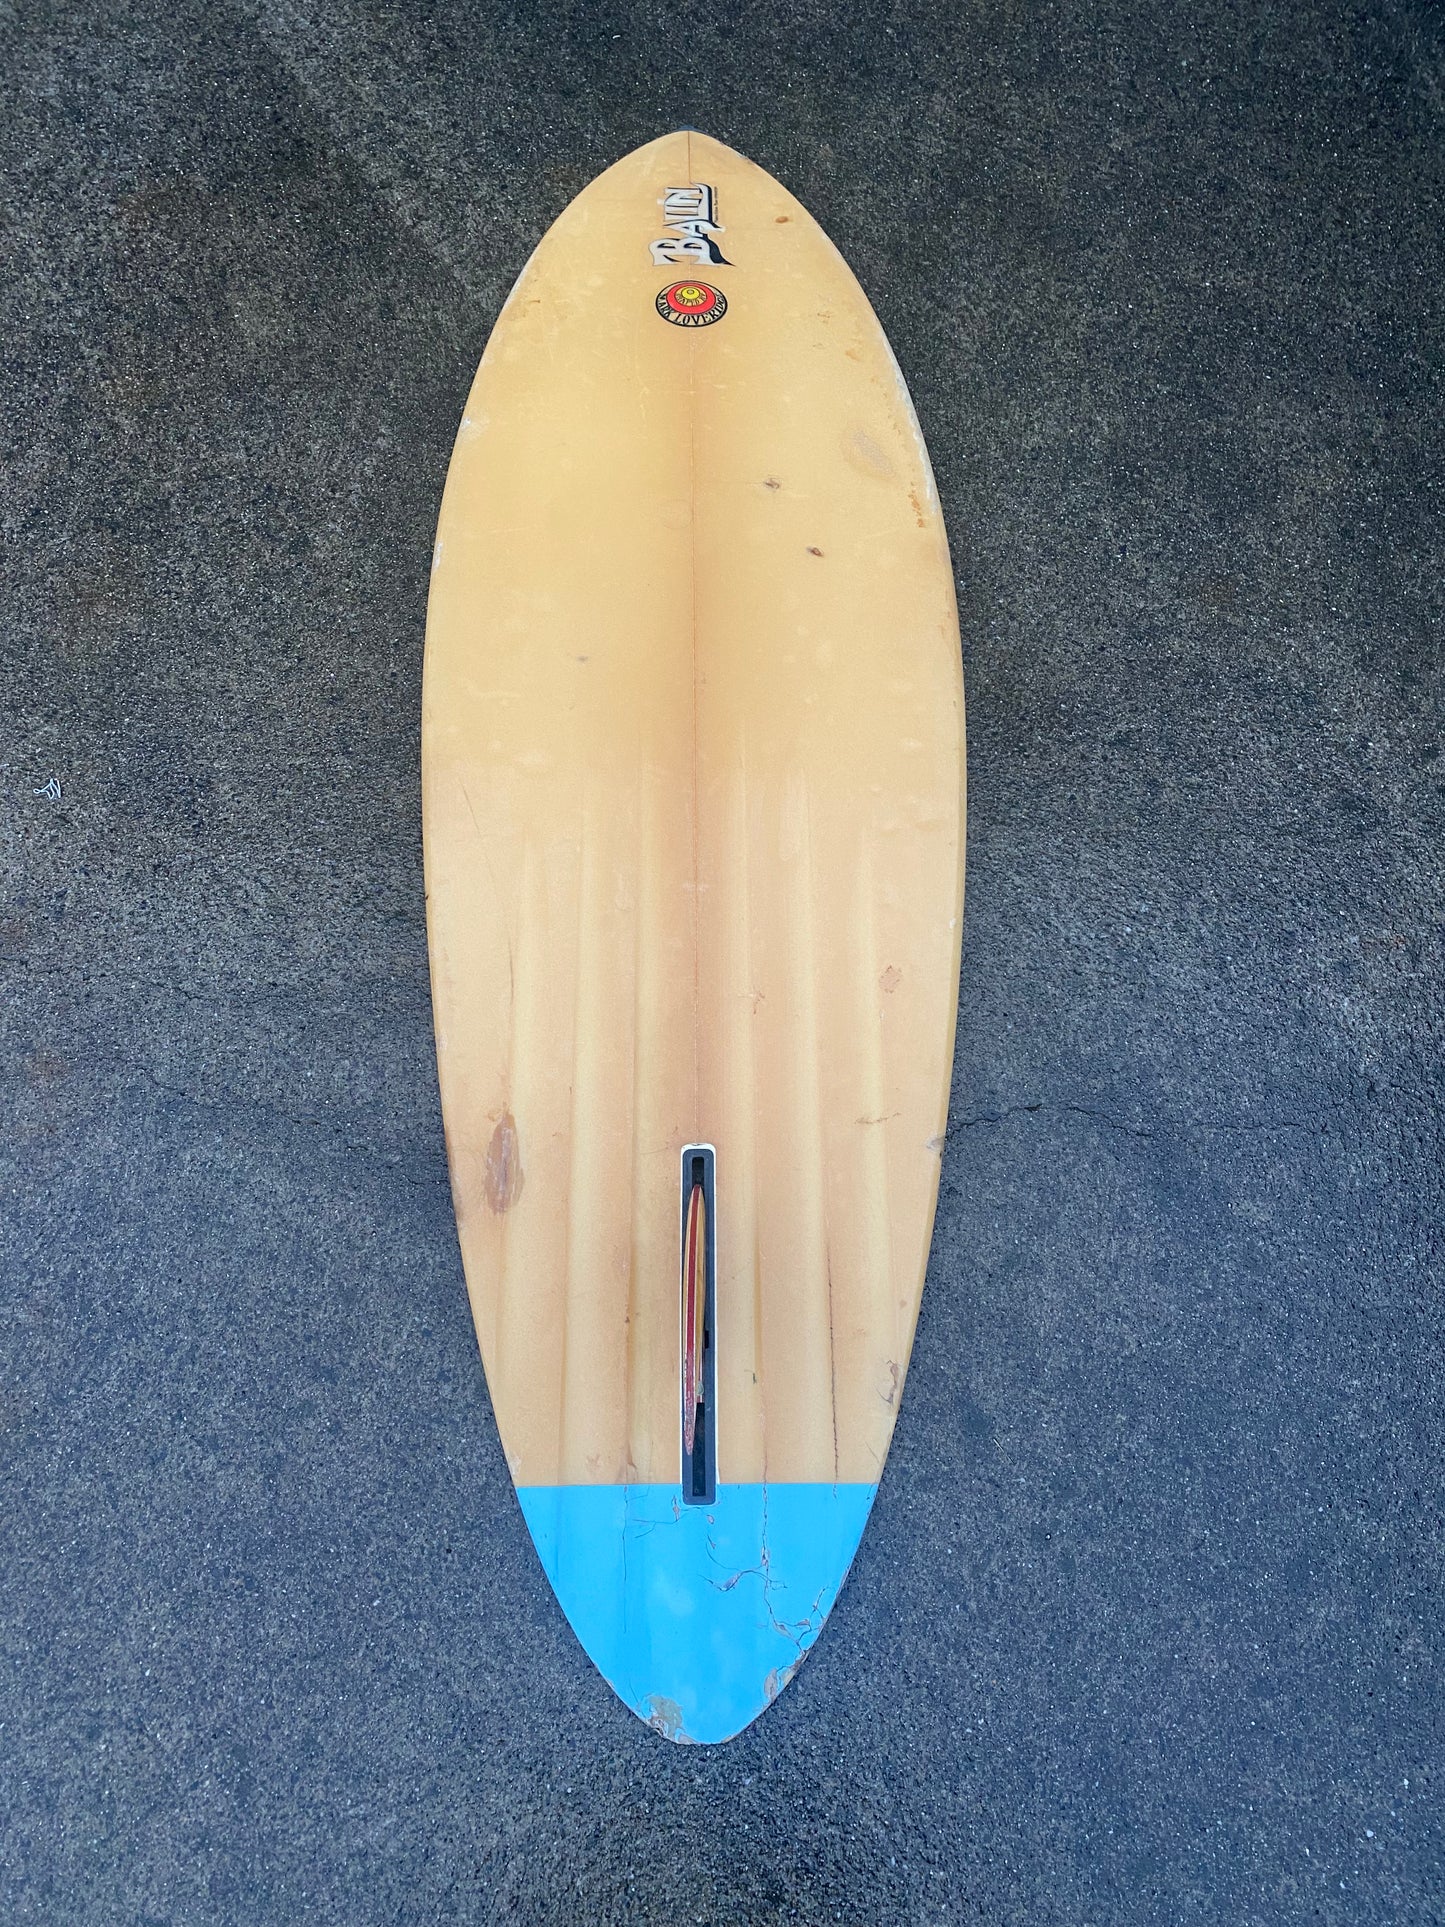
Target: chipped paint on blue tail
(697,1616)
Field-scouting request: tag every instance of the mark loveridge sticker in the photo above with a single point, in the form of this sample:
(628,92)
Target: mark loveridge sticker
(691,213)
(692,304)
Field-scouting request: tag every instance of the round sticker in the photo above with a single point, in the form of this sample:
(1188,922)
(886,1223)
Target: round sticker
(692,304)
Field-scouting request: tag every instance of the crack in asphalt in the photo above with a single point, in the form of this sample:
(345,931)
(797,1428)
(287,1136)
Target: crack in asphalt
(1163,1129)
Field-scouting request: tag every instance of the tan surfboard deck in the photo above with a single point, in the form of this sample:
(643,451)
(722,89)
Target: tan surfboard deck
(693,782)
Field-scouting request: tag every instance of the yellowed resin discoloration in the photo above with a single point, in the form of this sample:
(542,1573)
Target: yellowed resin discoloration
(693,783)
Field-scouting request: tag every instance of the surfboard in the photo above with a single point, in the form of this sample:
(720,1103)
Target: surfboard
(693,808)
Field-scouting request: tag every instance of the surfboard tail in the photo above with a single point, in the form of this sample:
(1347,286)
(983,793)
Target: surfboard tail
(697,1616)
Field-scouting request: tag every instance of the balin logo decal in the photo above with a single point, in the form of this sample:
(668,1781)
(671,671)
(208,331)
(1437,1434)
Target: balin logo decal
(692,304)
(691,213)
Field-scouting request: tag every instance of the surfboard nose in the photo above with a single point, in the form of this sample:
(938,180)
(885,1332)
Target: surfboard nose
(697,1617)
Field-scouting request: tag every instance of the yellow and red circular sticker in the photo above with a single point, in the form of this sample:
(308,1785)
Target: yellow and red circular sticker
(692,304)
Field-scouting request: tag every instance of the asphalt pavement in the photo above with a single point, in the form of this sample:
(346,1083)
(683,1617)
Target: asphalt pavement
(1147,1625)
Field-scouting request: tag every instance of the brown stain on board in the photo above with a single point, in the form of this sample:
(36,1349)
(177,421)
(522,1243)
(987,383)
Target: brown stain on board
(504,1177)
(864,453)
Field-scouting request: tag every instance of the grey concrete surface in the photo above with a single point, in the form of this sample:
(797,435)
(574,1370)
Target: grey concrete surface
(1147,1627)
